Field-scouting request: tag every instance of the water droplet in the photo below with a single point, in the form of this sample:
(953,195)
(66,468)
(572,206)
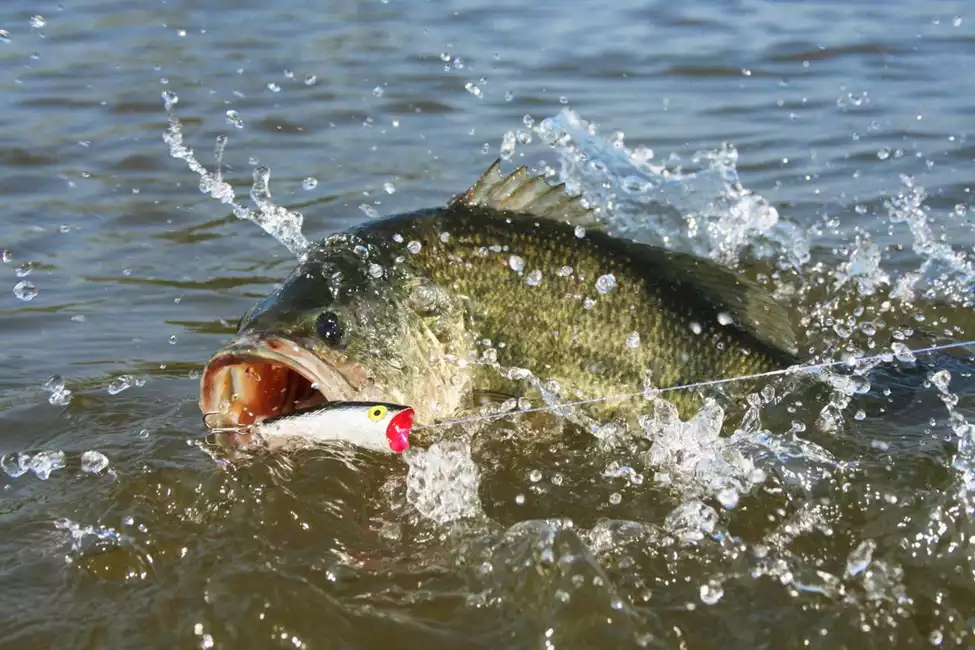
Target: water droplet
(580,232)
(23,270)
(535,476)
(860,416)
(309,183)
(398,238)
(172,339)
(508,145)
(444,237)
(557,479)
(370,211)
(4,36)
(516,263)
(473,89)
(508,96)
(377,91)
(46,462)
(288,74)
(633,340)
(389,187)
(563,99)
(606,283)
(120,383)
(25,290)
(534,278)
(376,271)
(860,557)
(310,80)
(565,271)
(728,498)
(93,461)
(37,22)
(6,256)
(615,498)
(414,247)
(902,352)
(60,394)
(144,434)
(937,637)
(520,499)
(588,303)
(724,318)
(169,98)
(712,592)
(696,327)
(233,118)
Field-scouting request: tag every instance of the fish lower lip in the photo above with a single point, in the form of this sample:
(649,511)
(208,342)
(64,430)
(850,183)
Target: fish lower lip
(256,377)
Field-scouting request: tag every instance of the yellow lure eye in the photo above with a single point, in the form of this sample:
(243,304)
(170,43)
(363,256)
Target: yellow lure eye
(377,413)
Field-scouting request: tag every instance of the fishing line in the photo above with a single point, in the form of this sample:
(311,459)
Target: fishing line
(698,384)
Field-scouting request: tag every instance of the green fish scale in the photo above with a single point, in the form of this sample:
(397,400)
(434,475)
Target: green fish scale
(548,329)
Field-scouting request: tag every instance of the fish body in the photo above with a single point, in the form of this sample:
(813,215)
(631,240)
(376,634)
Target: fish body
(512,287)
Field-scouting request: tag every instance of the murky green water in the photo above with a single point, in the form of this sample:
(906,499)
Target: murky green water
(845,185)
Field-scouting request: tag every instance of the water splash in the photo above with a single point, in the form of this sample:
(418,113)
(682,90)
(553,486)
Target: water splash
(707,211)
(442,482)
(282,224)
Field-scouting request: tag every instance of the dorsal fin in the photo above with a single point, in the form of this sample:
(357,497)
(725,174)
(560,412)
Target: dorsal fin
(521,192)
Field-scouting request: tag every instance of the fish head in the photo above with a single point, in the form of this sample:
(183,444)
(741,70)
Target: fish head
(334,331)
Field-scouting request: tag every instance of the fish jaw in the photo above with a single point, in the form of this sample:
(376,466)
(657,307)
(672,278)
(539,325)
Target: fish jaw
(257,376)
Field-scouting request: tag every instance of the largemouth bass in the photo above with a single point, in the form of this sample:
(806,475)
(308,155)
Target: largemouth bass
(510,289)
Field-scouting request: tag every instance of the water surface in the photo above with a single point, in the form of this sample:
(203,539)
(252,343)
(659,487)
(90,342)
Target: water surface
(821,146)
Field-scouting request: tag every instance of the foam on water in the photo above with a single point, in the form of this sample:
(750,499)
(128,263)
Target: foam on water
(282,224)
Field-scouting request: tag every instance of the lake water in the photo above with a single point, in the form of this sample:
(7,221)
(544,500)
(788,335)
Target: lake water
(826,147)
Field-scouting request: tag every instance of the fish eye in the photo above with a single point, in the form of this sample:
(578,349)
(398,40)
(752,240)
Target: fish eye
(328,327)
(377,413)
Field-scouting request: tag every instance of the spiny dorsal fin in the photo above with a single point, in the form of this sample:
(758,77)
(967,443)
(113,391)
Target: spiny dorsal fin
(521,192)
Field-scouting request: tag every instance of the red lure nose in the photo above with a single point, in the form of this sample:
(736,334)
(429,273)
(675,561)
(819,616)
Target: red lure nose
(398,431)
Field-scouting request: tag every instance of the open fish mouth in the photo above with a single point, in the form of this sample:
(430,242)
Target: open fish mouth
(258,376)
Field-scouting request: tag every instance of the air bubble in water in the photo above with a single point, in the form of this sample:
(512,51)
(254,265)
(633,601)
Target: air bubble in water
(389,187)
(170,98)
(37,22)
(377,91)
(633,340)
(4,36)
(273,87)
(508,96)
(936,637)
(565,271)
(234,118)
(516,263)
(6,256)
(534,278)
(508,145)
(25,291)
(23,270)
(580,232)
(309,183)
(310,80)
(414,247)
(376,271)
(46,462)
(535,476)
(606,283)
(473,89)
(93,461)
